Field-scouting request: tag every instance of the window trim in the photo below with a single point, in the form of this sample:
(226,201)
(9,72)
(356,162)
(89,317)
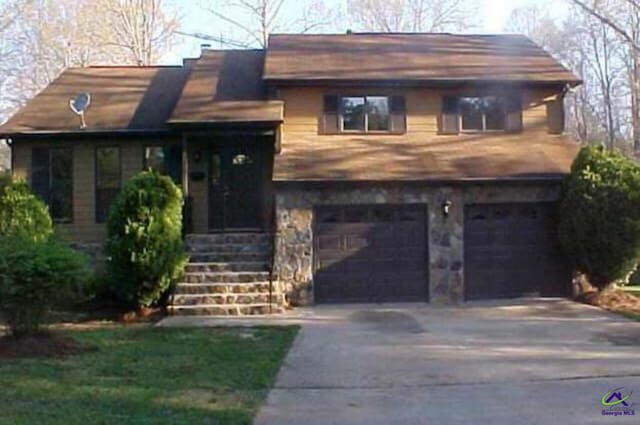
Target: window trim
(95,178)
(366,130)
(461,128)
(47,202)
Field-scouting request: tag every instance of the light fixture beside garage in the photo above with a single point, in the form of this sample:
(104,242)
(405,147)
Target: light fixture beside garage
(446,207)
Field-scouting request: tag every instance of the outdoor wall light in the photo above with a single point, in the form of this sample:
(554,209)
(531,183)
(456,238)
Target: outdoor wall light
(446,207)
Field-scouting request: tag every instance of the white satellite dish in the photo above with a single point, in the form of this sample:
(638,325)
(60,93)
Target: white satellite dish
(79,105)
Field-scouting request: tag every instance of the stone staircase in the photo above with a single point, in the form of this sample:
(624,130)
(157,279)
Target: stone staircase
(228,275)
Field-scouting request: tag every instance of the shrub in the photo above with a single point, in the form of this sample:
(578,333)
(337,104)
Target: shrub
(5,180)
(22,214)
(34,277)
(600,215)
(144,243)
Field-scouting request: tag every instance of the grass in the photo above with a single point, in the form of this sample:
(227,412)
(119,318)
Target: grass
(145,375)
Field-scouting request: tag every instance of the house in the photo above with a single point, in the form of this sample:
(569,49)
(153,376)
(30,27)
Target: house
(367,167)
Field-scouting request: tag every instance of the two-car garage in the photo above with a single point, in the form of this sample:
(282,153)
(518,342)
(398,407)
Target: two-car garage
(379,253)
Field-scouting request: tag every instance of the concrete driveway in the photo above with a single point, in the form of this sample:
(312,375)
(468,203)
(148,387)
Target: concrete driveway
(524,362)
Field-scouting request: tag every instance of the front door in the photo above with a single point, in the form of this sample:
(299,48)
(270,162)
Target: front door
(235,188)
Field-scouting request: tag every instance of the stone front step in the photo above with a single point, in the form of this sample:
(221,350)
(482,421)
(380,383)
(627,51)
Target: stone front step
(247,266)
(226,288)
(247,299)
(230,248)
(240,257)
(226,310)
(229,238)
(226,277)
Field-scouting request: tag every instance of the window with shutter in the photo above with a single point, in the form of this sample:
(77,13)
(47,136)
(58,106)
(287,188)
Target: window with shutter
(363,114)
(330,116)
(107,180)
(555,116)
(52,180)
(513,120)
(449,118)
(398,115)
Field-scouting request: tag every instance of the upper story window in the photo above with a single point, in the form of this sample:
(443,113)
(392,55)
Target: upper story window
(481,114)
(363,114)
(52,180)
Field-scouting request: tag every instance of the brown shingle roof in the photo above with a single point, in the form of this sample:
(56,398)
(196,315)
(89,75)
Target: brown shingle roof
(412,57)
(227,86)
(122,98)
(373,158)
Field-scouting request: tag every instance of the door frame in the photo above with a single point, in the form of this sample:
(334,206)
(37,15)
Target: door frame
(222,149)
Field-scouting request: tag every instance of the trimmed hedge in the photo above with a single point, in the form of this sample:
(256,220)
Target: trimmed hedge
(145,253)
(23,214)
(600,215)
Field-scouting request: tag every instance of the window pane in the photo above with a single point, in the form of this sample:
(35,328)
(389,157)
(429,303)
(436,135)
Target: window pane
(494,112)
(378,113)
(471,109)
(61,197)
(107,180)
(155,159)
(108,168)
(215,169)
(353,113)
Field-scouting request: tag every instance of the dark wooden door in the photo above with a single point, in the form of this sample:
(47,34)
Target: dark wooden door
(512,250)
(236,188)
(370,253)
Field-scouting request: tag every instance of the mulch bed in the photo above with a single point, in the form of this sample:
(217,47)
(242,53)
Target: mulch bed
(614,300)
(43,345)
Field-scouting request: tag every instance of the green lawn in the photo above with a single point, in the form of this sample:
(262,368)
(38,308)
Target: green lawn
(146,375)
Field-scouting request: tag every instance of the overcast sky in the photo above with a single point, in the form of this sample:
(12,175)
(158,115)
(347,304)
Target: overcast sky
(494,15)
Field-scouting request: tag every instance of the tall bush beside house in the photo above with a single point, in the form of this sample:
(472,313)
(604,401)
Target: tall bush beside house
(144,244)
(22,214)
(600,215)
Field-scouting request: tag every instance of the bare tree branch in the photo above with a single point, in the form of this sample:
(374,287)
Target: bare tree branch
(593,11)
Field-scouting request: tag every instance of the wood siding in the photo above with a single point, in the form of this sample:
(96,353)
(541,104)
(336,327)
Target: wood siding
(84,228)
(303,110)
(421,153)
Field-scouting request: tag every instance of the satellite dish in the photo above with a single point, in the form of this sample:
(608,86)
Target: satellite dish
(79,105)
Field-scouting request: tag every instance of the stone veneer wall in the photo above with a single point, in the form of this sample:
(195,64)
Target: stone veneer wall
(294,226)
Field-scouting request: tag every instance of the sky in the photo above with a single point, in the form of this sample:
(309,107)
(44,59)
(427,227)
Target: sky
(495,13)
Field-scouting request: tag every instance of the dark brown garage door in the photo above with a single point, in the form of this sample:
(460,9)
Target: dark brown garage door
(511,250)
(370,253)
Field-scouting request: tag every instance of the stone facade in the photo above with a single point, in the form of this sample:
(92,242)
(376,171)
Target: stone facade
(294,226)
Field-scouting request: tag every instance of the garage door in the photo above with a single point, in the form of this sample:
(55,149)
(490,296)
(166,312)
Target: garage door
(370,253)
(511,250)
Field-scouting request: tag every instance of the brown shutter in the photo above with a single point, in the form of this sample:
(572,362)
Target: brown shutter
(398,114)
(449,121)
(330,116)
(555,115)
(513,117)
